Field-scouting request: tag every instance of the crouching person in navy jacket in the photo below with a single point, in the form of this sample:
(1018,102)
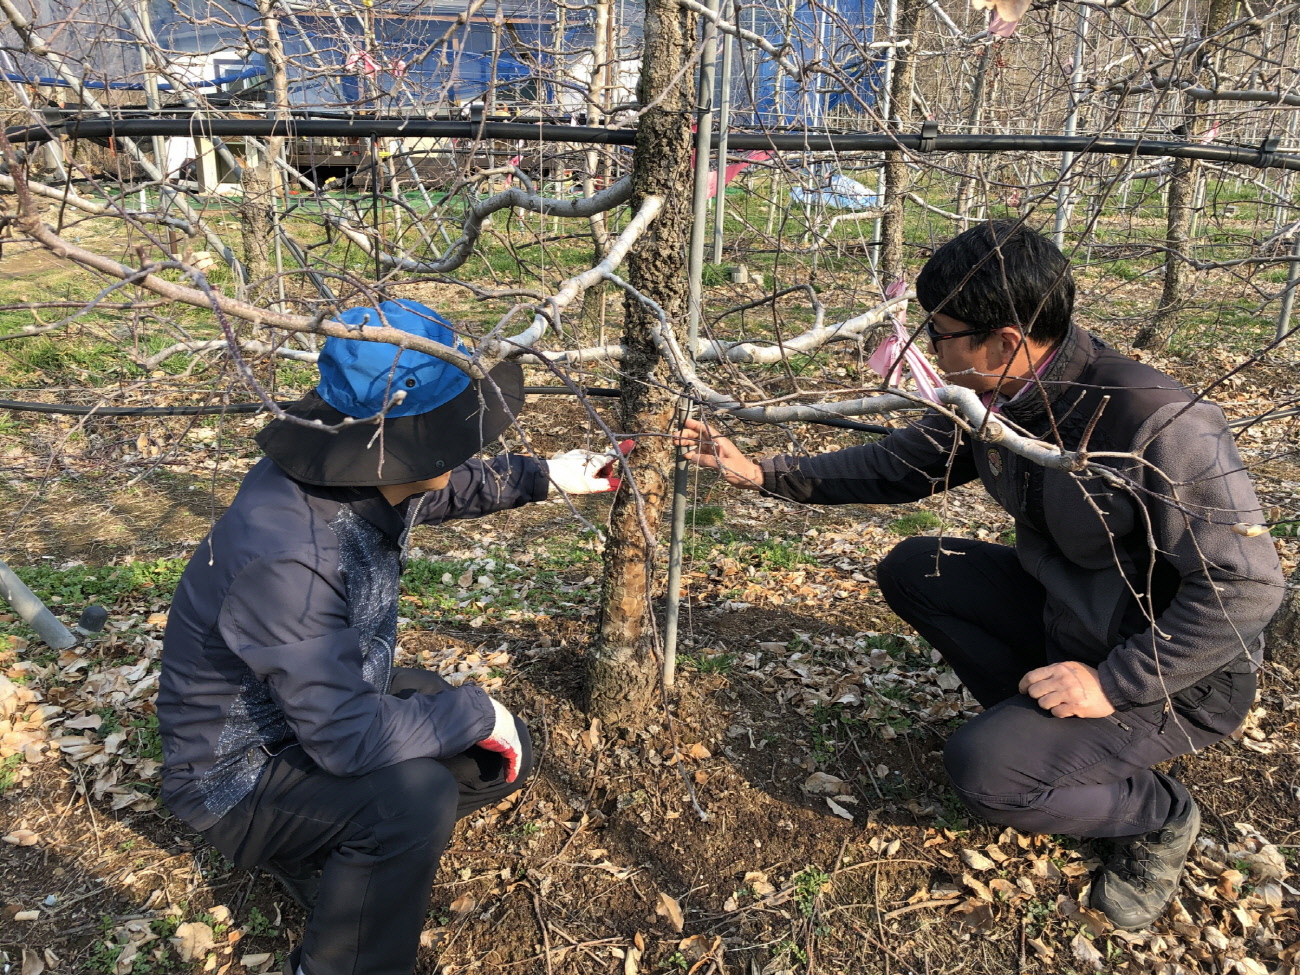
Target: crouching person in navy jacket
(1123,628)
(291,740)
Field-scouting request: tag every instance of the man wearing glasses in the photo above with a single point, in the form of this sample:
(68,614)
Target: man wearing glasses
(1123,628)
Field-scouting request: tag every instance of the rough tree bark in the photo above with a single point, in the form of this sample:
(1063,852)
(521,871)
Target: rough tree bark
(901,80)
(1178,202)
(593,299)
(623,670)
(258,182)
(256,226)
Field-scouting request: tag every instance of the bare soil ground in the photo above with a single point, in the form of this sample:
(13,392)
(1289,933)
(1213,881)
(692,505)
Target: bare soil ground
(785,810)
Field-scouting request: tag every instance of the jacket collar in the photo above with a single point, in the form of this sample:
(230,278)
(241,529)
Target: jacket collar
(368,503)
(1058,381)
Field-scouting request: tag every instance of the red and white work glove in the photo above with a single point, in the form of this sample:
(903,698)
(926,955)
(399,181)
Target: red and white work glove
(587,472)
(504,740)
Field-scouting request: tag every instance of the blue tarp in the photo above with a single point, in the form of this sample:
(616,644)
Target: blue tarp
(839,192)
(385,57)
(836,34)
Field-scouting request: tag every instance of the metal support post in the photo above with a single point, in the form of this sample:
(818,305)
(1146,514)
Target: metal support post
(695,271)
(1288,295)
(724,124)
(1063,195)
(34,612)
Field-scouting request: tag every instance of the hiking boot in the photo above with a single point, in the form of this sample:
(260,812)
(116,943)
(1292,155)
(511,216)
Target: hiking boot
(1140,877)
(301,881)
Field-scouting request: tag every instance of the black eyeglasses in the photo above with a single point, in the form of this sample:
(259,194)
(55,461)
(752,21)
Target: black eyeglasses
(936,336)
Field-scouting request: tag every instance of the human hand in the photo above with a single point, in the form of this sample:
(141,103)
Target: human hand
(587,472)
(706,448)
(504,740)
(1068,689)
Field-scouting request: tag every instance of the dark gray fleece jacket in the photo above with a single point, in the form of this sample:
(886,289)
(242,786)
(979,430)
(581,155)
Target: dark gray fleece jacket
(283,630)
(1144,577)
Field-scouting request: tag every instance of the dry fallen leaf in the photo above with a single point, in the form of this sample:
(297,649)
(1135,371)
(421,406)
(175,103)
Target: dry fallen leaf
(193,940)
(979,889)
(976,860)
(33,963)
(839,810)
(669,908)
(463,905)
(21,837)
(697,947)
(1267,863)
(1215,938)
(1085,953)
(1043,950)
(758,883)
(825,784)
(979,916)
(1228,883)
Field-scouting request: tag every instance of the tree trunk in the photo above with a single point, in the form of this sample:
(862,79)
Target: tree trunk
(966,187)
(901,80)
(623,672)
(256,227)
(1181,201)
(260,179)
(593,300)
(1156,333)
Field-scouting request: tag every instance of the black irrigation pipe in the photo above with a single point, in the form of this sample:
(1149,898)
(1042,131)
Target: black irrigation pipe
(63,409)
(1263,156)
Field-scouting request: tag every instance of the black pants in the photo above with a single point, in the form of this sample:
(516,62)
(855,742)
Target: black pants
(379,837)
(1016,764)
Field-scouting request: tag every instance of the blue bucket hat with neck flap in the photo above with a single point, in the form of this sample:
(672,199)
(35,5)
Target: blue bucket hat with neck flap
(442,419)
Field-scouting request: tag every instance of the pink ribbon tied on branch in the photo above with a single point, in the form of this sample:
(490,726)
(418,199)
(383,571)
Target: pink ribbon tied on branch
(899,349)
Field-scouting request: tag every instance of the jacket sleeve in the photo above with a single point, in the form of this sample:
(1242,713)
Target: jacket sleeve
(914,462)
(1193,489)
(480,487)
(287,620)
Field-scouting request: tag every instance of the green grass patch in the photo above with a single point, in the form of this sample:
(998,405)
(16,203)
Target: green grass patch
(9,772)
(776,554)
(915,523)
(77,585)
(710,663)
(702,516)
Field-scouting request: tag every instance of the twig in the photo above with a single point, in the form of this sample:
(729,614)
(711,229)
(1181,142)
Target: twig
(922,905)
(546,936)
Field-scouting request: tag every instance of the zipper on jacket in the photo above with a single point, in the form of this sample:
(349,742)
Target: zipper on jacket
(1116,719)
(1164,716)
(402,543)
(411,515)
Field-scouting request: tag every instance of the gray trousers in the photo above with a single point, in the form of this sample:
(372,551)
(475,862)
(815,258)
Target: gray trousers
(1016,764)
(378,837)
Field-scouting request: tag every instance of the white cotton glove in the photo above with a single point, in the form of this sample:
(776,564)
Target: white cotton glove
(587,472)
(504,740)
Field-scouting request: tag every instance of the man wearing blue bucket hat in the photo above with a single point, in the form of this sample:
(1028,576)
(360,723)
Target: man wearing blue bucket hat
(291,741)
